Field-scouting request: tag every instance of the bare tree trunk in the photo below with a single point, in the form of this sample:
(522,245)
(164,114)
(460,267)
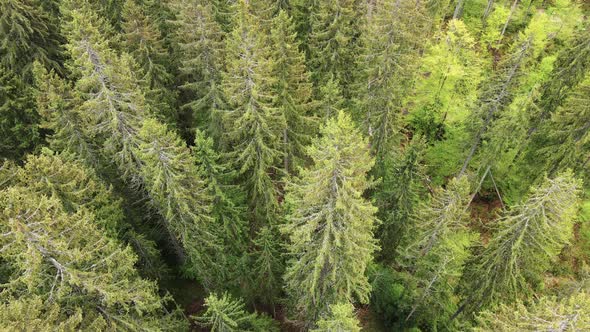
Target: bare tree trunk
(487,12)
(512,9)
(458,9)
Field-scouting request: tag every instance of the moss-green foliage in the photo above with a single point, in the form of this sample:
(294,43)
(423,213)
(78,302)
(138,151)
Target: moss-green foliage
(151,146)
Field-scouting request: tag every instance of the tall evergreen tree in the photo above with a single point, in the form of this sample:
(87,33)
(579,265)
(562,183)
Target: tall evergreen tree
(175,189)
(144,42)
(111,102)
(333,43)
(436,254)
(398,194)
(568,133)
(391,44)
(200,48)
(252,122)
(528,238)
(19,122)
(56,106)
(330,223)
(292,90)
(64,258)
(497,93)
(28,33)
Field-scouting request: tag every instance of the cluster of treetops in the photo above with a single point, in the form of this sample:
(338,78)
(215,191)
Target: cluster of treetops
(333,165)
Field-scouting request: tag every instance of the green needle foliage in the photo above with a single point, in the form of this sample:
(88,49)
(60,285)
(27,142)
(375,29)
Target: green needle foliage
(341,318)
(252,121)
(199,48)
(143,41)
(548,314)
(224,314)
(330,225)
(63,258)
(292,89)
(527,239)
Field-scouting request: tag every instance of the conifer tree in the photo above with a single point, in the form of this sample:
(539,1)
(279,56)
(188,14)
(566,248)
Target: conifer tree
(28,33)
(548,314)
(224,314)
(74,185)
(330,101)
(497,93)
(144,42)
(568,133)
(252,123)
(19,122)
(391,45)
(330,224)
(333,44)
(227,200)
(397,195)
(437,252)
(200,51)
(111,101)
(447,93)
(341,318)
(63,258)
(175,189)
(56,106)
(528,238)
(292,90)
(266,267)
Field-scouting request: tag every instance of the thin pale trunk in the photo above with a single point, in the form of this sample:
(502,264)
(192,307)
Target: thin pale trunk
(487,12)
(512,9)
(458,9)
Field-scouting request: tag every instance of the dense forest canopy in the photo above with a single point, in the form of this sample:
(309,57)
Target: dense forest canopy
(294,165)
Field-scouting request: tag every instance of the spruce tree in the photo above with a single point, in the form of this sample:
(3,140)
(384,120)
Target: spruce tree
(64,258)
(547,314)
(330,225)
(144,42)
(398,195)
(176,191)
(111,102)
(227,200)
(341,318)
(333,44)
(266,267)
(252,122)
(199,48)
(56,107)
(19,122)
(391,43)
(497,93)
(224,314)
(292,90)
(436,252)
(527,239)
(28,33)
(569,133)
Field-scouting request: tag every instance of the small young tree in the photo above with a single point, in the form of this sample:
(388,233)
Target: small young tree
(224,314)
(340,318)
